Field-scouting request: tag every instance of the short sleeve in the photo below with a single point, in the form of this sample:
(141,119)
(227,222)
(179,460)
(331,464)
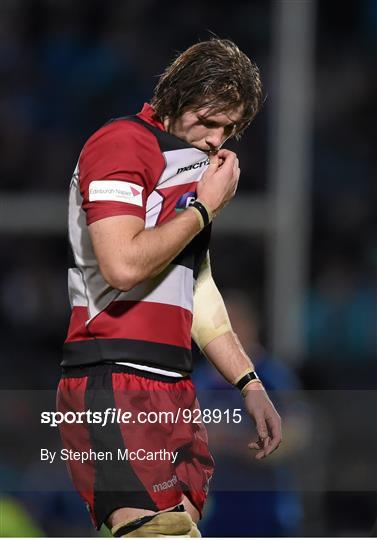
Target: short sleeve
(119,167)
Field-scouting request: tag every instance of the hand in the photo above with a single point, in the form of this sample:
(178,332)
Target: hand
(219,182)
(266,418)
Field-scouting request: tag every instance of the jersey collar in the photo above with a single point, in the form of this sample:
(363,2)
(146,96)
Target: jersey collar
(149,115)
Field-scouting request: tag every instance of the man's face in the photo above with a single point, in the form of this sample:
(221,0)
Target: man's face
(204,129)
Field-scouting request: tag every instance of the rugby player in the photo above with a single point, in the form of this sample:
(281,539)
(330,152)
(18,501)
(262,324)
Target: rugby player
(142,199)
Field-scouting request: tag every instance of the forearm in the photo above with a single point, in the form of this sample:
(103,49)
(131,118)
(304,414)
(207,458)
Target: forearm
(226,353)
(151,250)
(212,330)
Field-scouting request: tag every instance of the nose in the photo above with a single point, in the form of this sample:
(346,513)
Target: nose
(215,138)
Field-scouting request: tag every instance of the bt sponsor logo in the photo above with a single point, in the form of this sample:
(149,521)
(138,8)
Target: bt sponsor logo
(185,201)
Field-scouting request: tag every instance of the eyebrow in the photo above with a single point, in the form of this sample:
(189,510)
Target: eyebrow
(215,122)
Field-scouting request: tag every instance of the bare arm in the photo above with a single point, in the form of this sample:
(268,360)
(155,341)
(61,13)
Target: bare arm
(127,253)
(213,333)
(211,321)
(228,356)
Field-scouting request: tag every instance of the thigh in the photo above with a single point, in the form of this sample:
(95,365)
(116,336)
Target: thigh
(125,515)
(118,481)
(191,509)
(139,476)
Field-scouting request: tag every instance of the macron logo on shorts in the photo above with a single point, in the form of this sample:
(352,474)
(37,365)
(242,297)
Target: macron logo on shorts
(115,190)
(173,481)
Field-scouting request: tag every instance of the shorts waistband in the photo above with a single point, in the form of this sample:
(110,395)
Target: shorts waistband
(98,369)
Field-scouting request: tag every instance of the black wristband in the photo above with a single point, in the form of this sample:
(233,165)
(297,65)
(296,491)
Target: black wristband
(246,379)
(203,212)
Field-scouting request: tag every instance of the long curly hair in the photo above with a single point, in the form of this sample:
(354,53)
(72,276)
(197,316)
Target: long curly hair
(214,74)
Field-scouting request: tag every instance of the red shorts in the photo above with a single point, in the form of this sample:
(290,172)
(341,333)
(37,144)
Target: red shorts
(143,460)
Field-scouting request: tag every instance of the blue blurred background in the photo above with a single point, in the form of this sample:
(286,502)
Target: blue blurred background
(295,252)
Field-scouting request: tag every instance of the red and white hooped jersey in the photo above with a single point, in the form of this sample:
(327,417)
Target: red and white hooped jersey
(131,166)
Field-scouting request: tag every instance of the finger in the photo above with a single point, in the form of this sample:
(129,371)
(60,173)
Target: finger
(261,428)
(254,446)
(228,165)
(262,446)
(236,165)
(258,446)
(236,176)
(235,186)
(229,159)
(275,428)
(225,153)
(266,443)
(275,443)
(214,162)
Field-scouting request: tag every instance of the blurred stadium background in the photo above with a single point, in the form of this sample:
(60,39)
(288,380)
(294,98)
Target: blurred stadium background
(295,251)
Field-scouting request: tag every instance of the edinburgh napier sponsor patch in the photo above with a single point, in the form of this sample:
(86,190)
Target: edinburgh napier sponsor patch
(115,190)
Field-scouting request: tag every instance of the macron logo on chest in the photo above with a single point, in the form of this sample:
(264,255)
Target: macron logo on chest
(193,166)
(115,190)
(183,166)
